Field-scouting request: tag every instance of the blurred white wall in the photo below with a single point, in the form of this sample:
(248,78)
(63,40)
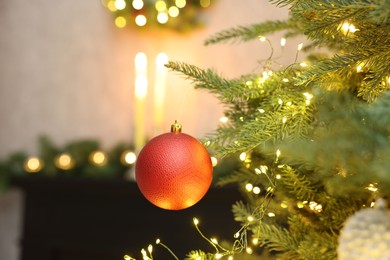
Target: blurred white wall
(67,72)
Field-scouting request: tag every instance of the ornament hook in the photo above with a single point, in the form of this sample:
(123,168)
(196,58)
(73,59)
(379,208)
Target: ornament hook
(176,127)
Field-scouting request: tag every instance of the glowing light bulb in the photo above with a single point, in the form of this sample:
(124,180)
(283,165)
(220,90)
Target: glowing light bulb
(278,153)
(284,120)
(249,187)
(140,20)
(283,42)
(98,158)
(249,250)
(138,4)
(120,4)
(33,165)
(173,11)
(214,161)
(64,161)
(300,46)
(236,235)
(271,214)
(150,248)
(224,119)
(214,240)
(218,256)
(284,204)
(196,221)
(256,190)
(120,22)
(243,156)
(255,241)
(128,157)
(111,6)
(162,17)
(250,218)
(261,110)
(161,6)
(262,38)
(180,3)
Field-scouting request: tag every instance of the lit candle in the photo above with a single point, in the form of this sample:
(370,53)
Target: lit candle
(159,92)
(141,91)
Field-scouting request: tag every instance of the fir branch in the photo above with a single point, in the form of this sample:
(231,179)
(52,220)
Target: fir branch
(246,33)
(277,239)
(297,185)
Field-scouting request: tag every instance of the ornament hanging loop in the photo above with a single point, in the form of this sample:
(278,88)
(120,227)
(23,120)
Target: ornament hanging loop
(176,127)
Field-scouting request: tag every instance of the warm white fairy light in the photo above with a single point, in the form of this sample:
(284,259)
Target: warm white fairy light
(98,158)
(249,250)
(111,6)
(138,4)
(150,248)
(196,221)
(120,22)
(214,161)
(300,46)
(140,20)
(283,204)
(224,119)
(261,110)
(128,157)
(315,206)
(262,39)
(249,187)
(285,80)
(64,161)
(271,214)
(120,4)
(160,6)
(289,103)
(347,27)
(280,101)
(257,171)
(303,64)
(230,257)
(283,42)
(214,240)
(242,156)
(33,165)
(278,176)
(173,11)
(158,241)
(237,235)
(250,218)
(127,257)
(180,3)
(162,17)
(372,187)
(218,256)
(256,190)
(263,168)
(284,120)
(300,204)
(278,153)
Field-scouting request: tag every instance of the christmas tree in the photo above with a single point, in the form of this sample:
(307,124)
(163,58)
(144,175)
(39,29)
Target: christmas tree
(313,137)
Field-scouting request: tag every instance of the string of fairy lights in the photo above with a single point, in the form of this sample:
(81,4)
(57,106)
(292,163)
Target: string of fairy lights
(65,161)
(241,243)
(180,15)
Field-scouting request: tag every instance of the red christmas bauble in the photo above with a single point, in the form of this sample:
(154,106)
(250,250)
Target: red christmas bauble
(174,170)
